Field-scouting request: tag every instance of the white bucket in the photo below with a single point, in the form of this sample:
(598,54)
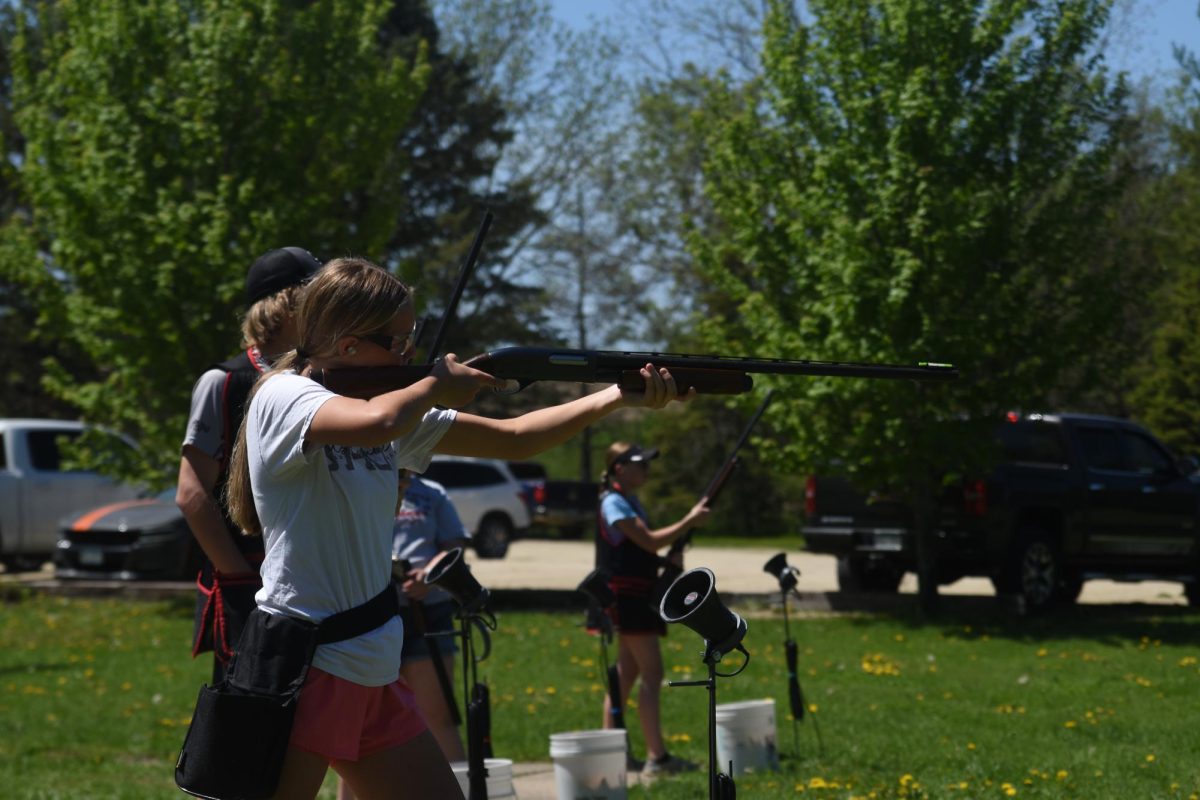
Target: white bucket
(499,778)
(746,736)
(589,765)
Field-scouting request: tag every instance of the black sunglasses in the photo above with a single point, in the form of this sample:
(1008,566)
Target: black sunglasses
(396,344)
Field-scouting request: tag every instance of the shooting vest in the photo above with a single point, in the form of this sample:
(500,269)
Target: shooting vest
(633,569)
(223,607)
(241,373)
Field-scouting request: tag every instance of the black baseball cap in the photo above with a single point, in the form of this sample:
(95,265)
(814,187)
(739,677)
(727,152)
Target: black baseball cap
(276,270)
(636,454)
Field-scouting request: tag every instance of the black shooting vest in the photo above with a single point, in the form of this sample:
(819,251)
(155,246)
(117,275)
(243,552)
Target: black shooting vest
(241,373)
(222,607)
(631,567)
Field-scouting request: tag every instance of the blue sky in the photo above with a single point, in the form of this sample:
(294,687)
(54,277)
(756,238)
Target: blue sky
(1142,46)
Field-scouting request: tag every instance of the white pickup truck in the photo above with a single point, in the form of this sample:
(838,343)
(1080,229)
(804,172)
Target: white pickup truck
(36,492)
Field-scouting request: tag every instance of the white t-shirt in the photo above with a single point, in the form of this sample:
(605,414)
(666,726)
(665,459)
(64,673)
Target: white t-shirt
(326,514)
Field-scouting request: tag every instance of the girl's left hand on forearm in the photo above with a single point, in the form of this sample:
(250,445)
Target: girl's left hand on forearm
(660,389)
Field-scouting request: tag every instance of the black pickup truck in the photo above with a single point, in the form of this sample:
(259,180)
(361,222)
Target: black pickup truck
(567,508)
(1074,497)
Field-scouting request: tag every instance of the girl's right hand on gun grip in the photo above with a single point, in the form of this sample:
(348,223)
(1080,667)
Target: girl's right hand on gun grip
(698,514)
(457,384)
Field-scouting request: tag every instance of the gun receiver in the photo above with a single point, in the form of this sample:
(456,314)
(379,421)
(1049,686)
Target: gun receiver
(522,366)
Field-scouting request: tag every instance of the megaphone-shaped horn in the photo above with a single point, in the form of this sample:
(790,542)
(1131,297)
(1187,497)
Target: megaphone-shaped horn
(596,587)
(693,600)
(452,574)
(777,565)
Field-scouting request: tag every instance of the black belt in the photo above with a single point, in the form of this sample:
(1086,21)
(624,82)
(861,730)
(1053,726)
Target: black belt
(360,619)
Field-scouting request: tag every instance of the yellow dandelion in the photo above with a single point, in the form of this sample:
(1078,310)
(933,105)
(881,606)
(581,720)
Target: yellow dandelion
(1061,775)
(1150,758)
(1070,723)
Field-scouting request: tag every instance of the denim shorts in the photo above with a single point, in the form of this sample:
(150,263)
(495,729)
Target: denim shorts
(439,618)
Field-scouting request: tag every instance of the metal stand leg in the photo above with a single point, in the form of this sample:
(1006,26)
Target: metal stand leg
(720,785)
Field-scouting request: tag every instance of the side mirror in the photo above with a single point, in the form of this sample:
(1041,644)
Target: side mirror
(1188,465)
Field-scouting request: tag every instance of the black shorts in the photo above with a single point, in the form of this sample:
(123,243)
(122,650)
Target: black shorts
(636,613)
(439,617)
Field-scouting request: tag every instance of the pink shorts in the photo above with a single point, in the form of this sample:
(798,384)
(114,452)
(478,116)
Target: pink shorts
(342,721)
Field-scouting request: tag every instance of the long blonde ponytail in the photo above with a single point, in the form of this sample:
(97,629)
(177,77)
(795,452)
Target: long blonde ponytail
(348,297)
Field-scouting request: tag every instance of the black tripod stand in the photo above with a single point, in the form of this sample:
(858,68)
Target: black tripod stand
(692,600)
(595,588)
(475,694)
(720,785)
(787,577)
(451,573)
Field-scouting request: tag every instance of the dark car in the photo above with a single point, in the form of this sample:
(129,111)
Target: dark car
(141,539)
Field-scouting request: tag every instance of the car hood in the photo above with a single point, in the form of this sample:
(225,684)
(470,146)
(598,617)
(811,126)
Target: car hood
(142,514)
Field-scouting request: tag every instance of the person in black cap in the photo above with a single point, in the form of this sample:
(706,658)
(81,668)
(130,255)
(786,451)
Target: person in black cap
(229,574)
(627,547)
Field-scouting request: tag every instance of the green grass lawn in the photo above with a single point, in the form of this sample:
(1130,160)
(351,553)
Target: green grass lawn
(95,696)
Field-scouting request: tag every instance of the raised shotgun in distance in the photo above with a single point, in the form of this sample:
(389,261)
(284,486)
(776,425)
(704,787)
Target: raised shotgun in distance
(669,569)
(521,366)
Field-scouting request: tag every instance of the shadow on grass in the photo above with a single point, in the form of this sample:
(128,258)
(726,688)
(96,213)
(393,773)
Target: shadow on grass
(970,617)
(30,669)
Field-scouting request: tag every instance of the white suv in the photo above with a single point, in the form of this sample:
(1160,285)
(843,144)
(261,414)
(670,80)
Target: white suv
(489,500)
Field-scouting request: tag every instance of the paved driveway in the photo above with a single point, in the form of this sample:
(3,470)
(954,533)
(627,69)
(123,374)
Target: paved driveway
(549,564)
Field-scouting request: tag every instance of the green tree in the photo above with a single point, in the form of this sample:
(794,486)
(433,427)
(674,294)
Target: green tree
(25,347)
(459,132)
(922,180)
(1167,396)
(166,145)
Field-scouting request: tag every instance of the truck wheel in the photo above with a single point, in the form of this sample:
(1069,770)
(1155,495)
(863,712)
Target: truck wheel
(850,574)
(1069,586)
(1192,592)
(864,575)
(883,578)
(24,563)
(493,536)
(1038,572)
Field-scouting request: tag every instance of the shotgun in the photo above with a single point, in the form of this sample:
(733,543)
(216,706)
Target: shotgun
(671,570)
(418,610)
(521,366)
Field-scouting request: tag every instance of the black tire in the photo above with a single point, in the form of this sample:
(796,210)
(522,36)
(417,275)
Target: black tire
(850,574)
(25,563)
(863,575)
(493,537)
(1070,585)
(1192,592)
(1036,572)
